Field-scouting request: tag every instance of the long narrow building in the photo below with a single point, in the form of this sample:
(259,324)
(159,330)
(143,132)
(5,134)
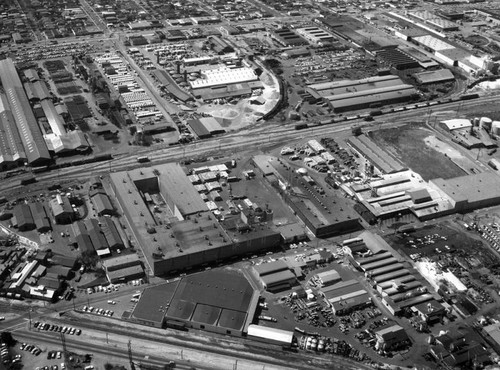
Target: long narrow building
(11,146)
(30,133)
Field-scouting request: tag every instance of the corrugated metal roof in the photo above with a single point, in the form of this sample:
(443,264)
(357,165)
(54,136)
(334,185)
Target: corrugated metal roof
(23,215)
(268,268)
(440,75)
(328,276)
(39,215)
(40,90)
(277,278)
(111,232)
(349,83)
(126,273)
(102,203)
(199,128)
(124,260)
(31,136)
(54,119)
(11,145)
(96,235)
(212,125)
(84,243)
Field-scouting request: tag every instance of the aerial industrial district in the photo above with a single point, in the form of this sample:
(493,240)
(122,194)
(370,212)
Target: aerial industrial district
(207,184)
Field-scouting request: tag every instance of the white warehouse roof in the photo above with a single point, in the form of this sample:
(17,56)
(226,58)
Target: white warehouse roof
(278,335)
(224,76)
(433,42)
(458,123)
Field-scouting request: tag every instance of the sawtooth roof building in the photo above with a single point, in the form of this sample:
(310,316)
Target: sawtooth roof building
(31,136)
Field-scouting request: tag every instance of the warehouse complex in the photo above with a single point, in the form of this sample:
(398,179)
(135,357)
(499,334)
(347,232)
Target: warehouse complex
(173,224)
(365,93)
(425,29)
(20,137)
(324,216)
(398,285)
(222,302)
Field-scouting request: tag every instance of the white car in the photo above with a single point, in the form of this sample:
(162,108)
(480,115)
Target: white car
(287,150)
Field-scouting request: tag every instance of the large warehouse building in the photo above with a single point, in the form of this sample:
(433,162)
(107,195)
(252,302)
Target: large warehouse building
(173,225)
(470,192)
(31,137)
(322,216)
(219,301)
(365,93)
(11,146)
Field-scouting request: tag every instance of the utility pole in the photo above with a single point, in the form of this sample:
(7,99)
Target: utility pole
(132,365)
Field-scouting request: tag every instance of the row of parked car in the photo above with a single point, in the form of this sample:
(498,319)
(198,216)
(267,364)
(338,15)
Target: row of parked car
(53,367)
(61,329)
(30,348)
(98,311)
(113,287)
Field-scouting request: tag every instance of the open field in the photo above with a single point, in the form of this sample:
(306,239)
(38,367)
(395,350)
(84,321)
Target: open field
(408,144)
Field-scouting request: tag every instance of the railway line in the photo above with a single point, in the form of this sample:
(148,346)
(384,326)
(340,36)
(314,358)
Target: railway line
(261,136)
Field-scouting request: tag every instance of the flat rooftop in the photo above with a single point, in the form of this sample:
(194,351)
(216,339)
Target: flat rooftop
(154,301)
(477,189)
(217,298)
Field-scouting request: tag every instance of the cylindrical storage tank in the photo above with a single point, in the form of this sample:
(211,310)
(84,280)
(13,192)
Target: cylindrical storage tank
(475,122)
(495,128)
(485,123)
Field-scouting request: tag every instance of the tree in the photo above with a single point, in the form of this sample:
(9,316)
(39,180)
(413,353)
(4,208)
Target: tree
(7,338)
(356,130)
(89,259)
